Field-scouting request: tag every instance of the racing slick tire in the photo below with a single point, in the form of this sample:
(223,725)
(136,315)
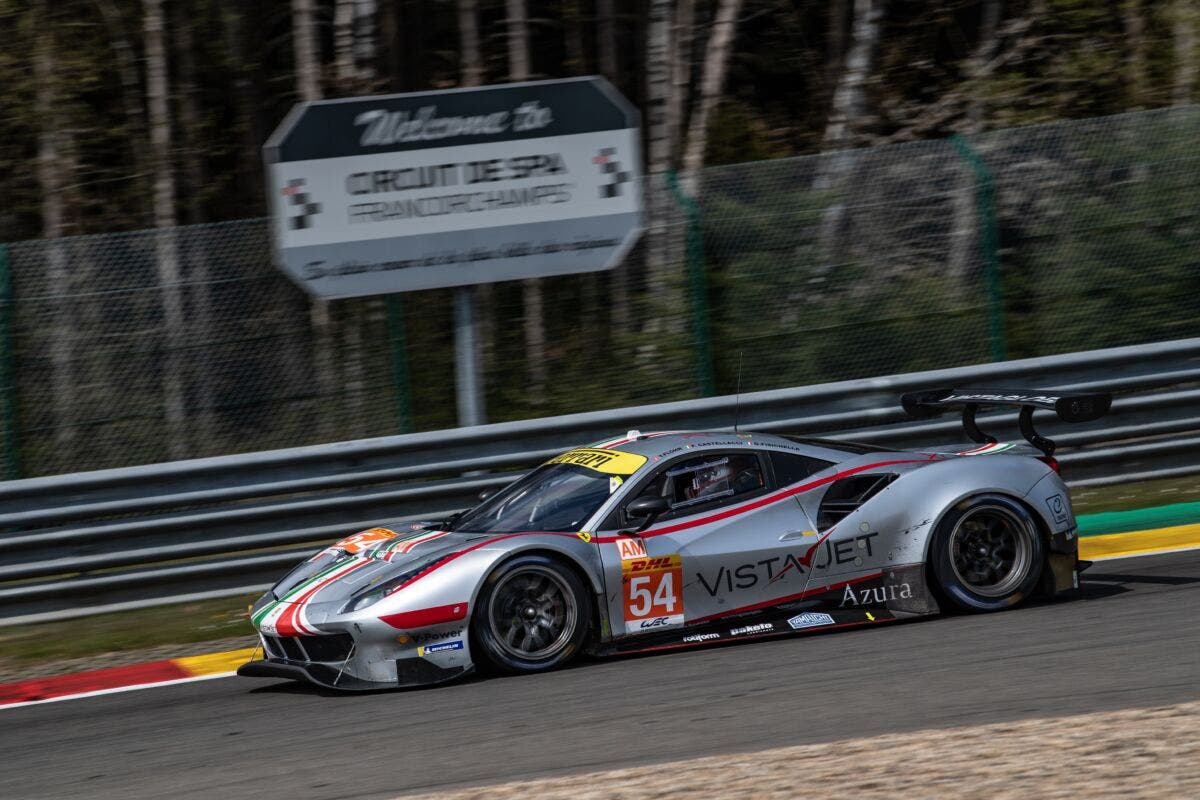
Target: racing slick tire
(532,615)
(987,554)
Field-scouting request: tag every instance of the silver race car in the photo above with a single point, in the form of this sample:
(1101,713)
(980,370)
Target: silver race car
(655,541)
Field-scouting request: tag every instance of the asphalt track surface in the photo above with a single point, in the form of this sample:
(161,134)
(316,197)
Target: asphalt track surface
(1131,640)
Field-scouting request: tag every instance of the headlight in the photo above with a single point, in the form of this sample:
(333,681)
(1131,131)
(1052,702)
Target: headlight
(373,594)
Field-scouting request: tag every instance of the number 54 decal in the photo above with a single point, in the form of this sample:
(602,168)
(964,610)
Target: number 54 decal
(652,593)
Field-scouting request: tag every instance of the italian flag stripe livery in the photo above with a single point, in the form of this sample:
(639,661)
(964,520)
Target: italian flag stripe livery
(285,617)
(406,544)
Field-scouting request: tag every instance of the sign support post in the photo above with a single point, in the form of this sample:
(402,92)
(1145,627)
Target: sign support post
(468,385)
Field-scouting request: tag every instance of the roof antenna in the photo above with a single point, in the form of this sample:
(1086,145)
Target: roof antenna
(737,399)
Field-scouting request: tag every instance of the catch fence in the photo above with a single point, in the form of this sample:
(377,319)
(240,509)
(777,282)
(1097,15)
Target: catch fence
(153,346)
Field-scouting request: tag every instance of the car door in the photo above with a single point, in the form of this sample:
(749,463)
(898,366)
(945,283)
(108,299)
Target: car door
(723,547)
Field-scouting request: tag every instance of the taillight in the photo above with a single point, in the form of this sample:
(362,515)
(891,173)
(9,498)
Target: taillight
(1049,461)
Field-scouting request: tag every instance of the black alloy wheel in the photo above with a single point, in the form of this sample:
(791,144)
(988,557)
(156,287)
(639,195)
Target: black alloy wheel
(532,615)
(987,553)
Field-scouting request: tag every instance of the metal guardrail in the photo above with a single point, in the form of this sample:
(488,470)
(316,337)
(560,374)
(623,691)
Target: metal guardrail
(88,542)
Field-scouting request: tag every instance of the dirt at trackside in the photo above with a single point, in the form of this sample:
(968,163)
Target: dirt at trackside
(1141,753)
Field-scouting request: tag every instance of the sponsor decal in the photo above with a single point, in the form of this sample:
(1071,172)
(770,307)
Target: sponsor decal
(702,637)
(440,647)
(821,555)
(434,637)
(628,548)
(762,627)
(870,616)
(614,483)
(1058,508)
(651,592)
(585,536)
(999,398)
(609,462)
(357,543)
(809,620)
(875,595)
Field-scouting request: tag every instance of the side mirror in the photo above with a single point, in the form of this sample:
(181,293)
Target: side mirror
(647,509)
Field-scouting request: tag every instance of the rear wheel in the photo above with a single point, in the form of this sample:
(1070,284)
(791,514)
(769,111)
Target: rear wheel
(987,554)
(532,615)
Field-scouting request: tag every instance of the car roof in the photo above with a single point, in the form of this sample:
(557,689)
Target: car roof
(660,444)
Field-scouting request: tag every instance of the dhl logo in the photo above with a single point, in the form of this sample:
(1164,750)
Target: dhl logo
(641,566)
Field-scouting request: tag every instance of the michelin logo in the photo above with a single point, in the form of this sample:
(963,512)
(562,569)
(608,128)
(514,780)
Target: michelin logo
(809,620)
(437,648)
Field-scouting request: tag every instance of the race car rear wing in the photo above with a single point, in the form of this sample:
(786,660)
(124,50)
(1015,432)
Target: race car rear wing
(1070,407)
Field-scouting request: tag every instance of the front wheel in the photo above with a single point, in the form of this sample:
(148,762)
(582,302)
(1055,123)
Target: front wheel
(986,554)
(532,615)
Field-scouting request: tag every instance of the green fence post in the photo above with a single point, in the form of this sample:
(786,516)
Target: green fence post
(985,201)
(8,382)
(699,286)
(395,321)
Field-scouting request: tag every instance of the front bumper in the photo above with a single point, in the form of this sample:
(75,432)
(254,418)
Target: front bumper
(409,672)
(361,657)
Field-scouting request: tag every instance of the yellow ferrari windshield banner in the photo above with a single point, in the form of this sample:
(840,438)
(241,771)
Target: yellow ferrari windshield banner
(610,462)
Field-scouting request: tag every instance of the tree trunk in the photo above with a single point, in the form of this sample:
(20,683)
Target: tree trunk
(849,99)
(131,96)
(304,45)
(531,290)
(835,39)
(238,51)
(1183,27)
(157,89)
(989,24)
(658,146)
(716,64)
(354,73)
(606,40)
(963,251)
(308,87)
(572,17)
(195,258)
(518,40)
(51,182)
(606,55)
(681,71)
(848,108)
(343,46)
(366,52)
(1135,28)
(471,63)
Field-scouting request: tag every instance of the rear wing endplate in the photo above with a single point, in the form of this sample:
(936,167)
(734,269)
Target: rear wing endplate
(1070,407)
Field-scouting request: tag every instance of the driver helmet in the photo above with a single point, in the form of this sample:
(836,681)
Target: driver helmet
(711,479)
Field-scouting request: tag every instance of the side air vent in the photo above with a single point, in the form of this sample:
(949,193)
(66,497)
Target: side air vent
(846,495)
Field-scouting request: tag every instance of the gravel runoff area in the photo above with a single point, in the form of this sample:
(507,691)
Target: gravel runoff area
(1144,753)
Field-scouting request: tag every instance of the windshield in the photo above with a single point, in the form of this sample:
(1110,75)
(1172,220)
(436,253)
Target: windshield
(554,497)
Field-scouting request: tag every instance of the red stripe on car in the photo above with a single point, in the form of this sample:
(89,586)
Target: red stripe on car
(423,618)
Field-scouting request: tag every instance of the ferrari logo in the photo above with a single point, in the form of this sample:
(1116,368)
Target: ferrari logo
(585,536)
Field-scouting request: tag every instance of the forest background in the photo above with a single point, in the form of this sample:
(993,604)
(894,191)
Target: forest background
(145,115)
